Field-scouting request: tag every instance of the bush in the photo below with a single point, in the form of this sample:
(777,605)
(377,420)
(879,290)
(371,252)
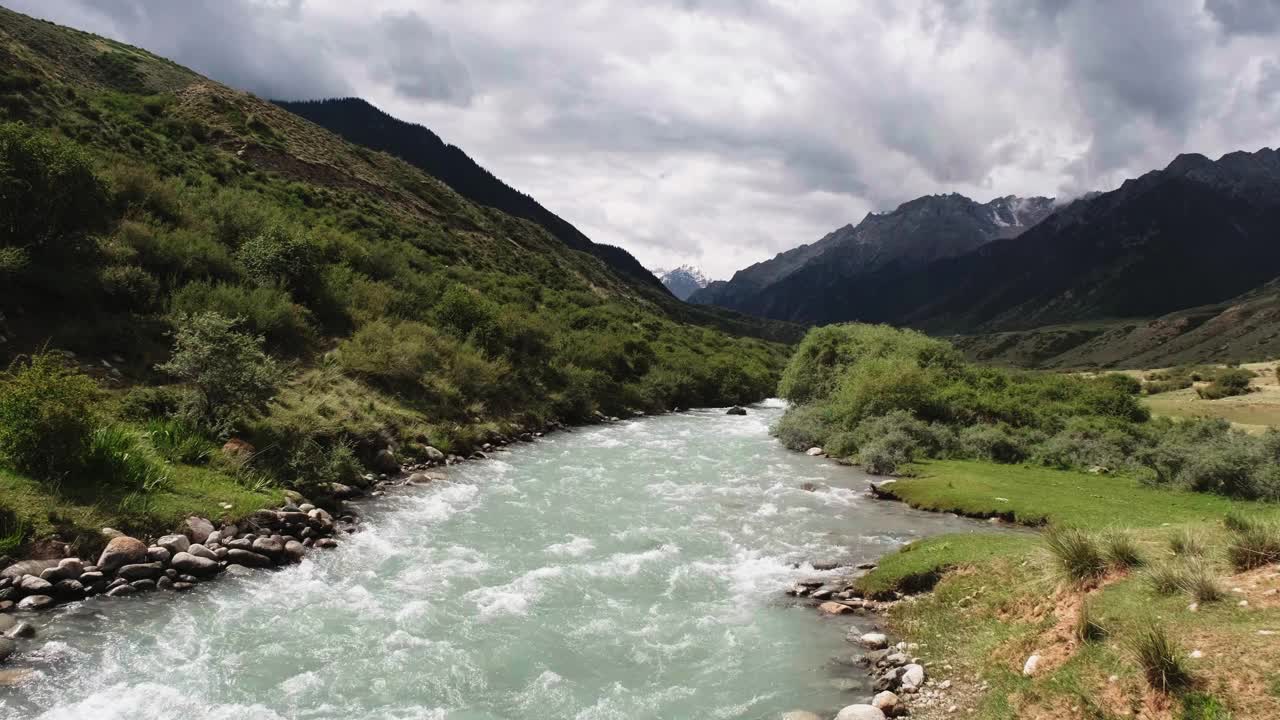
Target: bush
(993,442)
(803,427)
(1166,579)
(885,454)
(49,195)
(1160,659)
(48,410)
(129,288)
(280,256)
(1088,628)
(1227,382)
(119,457)
(1121,550)
(230,373)
(1186,543)
(1076,554)
(265,311)
(143,403)
(1200,582)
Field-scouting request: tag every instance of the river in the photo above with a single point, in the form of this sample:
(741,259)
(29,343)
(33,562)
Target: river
(630,570)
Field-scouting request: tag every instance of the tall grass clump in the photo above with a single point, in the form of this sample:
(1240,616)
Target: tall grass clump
(1121,550)
(178,441)
(120,457)
(1187,543)
(1088,627)
(1075,553)
(1253,543)
(1160,658)
(1166,578)
(1201,583)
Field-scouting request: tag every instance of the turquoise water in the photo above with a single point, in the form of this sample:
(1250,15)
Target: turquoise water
(633,570)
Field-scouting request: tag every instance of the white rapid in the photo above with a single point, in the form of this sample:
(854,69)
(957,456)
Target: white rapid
(633,570)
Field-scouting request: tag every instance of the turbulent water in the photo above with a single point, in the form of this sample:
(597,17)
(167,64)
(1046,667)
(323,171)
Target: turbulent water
(626,571)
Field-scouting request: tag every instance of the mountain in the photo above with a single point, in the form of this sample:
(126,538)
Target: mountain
(360,122)
(913,235)
(682,281)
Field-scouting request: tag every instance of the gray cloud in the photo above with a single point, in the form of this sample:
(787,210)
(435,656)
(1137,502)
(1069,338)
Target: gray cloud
(719,132)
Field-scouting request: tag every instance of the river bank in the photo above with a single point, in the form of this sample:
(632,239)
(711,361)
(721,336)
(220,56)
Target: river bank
(1019,640)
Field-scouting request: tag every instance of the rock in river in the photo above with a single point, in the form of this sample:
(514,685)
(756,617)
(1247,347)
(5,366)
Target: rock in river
(736,410)
(35,602)
(33,585)
(248,558)
(28,567)
(874,641)
(860,712)
(194,564)
(7,648)
(141,571)
(122,551)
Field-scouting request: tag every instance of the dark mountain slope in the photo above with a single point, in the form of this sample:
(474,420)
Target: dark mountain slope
(916,233)
(363,124)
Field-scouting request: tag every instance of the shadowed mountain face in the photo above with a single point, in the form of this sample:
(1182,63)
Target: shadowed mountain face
(1195,233)
(917,233)
(682,281)
(361,123)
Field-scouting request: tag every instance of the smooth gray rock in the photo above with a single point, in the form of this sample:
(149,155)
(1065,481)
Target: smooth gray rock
(194,564)
(89,578)
(201,551)
(35,602)
(144,585)
(269,546)
(198,529)
(158,554)
(294,551)
(141,571)
(874,640)
(32,585)
(248,558)
(174,543)
(7,648)
(912,677)
(68,589)
(214,538)
(21,630)
(7,622)
(433,455)
(860,712)
(121,590)
(28,567)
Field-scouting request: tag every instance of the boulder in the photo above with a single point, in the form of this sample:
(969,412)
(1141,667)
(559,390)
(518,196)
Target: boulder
(16,676)
(326,543)
(158,554)
(28,567)
(214,538)
(238,449)
(433,455)
(7,648)
(6,622)
(6,606)
(248,558)
(121,590)
(144,585)
(269,546)
(21,630)
(342,492)
(182,586)
(164,583)
(197,528)
(68,589)
(860,712)
(385,461)
(815,452)
(35,602)
(834,608)
(110,533)
(874,641)
(201,551)
(294,551)
(141,571)
(32,585)
(886,701)
(912,677)
(122,551)
(736,410)
(1031,665)
(194,564)
(89,578)
(175,543)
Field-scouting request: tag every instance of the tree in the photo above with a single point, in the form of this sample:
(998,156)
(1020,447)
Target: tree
(230,373)
(49,195)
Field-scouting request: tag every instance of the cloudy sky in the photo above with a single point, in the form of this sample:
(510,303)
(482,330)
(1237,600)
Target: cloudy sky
(720,132)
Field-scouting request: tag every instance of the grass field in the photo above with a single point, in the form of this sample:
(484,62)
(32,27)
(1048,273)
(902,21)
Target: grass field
(998,599)
(1254,412)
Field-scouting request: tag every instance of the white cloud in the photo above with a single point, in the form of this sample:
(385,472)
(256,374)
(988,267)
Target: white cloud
(717,132)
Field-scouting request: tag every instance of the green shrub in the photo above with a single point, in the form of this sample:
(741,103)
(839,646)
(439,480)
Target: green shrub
(178,442)
(129,287)
(1201,583)
(1121,550)
(993,442)
(50,198)
(48,410)
(280,255)
(1160,659)
(1187,543)
(888,452)
(263,310)
(143,403)
(1075,553)
(118,456)
(1166,578)
(227,368)
(803,427)
(140,189)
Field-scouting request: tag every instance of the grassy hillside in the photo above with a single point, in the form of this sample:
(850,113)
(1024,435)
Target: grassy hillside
(222,268)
